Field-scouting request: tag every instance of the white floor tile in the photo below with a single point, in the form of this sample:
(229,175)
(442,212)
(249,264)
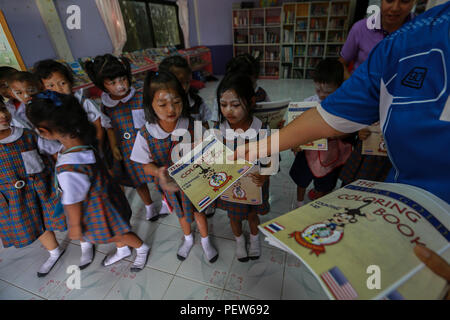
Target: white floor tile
(96,281)
(183,289)
(299,283)
(10,292)
(164,244)
(148,284)
(228,295)
(262,278)
(196,267)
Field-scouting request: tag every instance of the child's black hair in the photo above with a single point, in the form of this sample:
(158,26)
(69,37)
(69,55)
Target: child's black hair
(24,76)
(63,114)
(107,67)
(6,72)
(329,70)
(161,80)
(45,68)
(243,87)
(178,62)
(243,63)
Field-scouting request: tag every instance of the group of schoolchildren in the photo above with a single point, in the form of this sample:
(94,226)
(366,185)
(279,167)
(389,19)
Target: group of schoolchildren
(65,161)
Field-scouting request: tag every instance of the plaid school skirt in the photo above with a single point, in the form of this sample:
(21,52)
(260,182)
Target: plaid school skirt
(238,211)
(27,201)
(106,212)
(160,150)
(126,172)
(358,166)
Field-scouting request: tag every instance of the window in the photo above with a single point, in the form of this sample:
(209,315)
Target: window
(151,24)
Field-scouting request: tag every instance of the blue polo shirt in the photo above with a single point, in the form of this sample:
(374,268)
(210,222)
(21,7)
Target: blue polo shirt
(404,84)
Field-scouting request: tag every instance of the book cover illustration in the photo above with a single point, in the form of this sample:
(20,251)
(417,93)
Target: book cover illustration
(295,110)
(244,190)
(271,113)
(374,145)
(339,236)
(205,173)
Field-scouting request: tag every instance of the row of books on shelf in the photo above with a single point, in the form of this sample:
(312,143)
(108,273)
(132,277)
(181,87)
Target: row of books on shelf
(287,54)
(272,37)
(240,21)
(288,36)
(339,9)
(319,10)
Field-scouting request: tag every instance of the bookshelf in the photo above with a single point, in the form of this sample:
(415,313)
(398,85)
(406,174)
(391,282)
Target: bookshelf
(258,32)
(311,31)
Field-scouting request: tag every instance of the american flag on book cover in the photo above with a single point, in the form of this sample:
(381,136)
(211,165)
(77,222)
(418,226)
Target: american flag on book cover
(338,284)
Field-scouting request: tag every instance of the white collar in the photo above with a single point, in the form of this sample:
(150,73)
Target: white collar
(191,101)
(108,102)
(16,133)
(158,133)
(251,132)
(80,157)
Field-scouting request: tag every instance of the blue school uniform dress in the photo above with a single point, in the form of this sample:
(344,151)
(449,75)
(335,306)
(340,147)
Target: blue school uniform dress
(405,85)
(27,194)
(82,177)
(127,117)
(154,145)
(240,211)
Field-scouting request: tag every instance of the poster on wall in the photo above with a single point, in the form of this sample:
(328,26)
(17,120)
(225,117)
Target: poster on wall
(9,54)
(165,24)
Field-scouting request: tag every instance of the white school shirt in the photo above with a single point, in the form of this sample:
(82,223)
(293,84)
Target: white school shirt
(205,113)
(109,102)
(93,111)
(32,160)
(251,133)
(74,185)
(141,152)
(19,117)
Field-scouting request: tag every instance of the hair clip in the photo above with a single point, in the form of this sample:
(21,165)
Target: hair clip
(51,95)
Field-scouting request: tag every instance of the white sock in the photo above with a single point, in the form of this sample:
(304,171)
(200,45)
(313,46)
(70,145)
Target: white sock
(48,265)
(87,253)
(255,246)
(210,210)
(208,249)
(241,250)
(164,208)
(120,254)
(186,247)
(300,204)
(141,257)
(150,211)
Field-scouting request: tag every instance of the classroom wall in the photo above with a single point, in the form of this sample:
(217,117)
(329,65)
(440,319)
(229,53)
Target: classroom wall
(33,40)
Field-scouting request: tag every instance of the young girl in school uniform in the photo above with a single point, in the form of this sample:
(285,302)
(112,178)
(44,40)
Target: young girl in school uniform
(22,86)
(27,194)
(237,99)
(97,209)
(245,64)
(57,77)
(166,110)
(123,105)
(198,110)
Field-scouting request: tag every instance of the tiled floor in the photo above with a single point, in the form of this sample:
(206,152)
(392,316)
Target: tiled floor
(276,275)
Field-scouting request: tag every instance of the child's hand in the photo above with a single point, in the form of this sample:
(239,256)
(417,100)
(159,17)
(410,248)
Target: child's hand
(258,179)
(117,154)
(75,232)
(363,134)
(166,182)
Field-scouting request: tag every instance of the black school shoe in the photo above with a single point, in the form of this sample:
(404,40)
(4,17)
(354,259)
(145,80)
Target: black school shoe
(41,275)
(84,266)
